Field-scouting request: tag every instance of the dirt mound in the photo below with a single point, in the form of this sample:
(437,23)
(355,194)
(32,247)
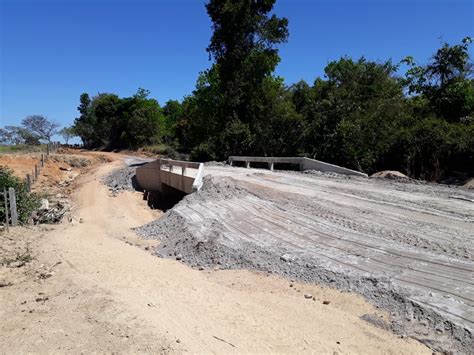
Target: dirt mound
(469,184)
(74,161)
(119,180)
(321,229)
(390,174)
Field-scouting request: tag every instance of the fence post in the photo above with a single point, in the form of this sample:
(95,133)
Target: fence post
(13,210)
(36,171)
(48,149)
(28,182)
(6,209)
(42,160)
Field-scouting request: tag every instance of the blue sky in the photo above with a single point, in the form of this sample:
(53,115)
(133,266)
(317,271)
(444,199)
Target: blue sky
(51,51)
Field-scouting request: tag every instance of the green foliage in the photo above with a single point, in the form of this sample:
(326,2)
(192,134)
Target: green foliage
(446,81)
(21,148)
(107,121)
(244,48)
(350,117)
(26,202)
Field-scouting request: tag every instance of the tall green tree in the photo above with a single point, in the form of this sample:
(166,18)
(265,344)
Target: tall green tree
(446,81)
(243,45)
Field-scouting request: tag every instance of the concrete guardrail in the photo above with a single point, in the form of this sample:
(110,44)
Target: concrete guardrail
(303,163)
(181,175)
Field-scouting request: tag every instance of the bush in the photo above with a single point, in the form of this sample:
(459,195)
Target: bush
(163,150)
(26,202)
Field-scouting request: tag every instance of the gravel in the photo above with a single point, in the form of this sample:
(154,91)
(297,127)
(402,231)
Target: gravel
(232,225)
(123,179)
(120,180)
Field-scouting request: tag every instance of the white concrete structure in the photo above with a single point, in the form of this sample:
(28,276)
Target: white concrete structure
(181,175)
(304,164)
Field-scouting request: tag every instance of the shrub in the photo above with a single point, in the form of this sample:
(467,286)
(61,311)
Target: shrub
(26,202)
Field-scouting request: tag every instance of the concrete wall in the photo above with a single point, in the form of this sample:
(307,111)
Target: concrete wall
(311,164)
(181,175)
(304,164)
(149,177)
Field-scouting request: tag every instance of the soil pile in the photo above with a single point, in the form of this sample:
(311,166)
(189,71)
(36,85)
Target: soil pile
(390,174)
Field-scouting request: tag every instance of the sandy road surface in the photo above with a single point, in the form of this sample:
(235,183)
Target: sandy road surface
(407,246)
(107,295)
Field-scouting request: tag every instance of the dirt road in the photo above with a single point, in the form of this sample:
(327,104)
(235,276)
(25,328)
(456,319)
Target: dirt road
(406,246)
(101,293)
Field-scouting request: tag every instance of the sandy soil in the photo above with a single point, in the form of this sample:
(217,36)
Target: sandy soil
(88,290)
(59,170)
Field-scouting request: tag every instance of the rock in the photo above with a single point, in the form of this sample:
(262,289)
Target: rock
(308,296)
(286,258)
(179,257)
(326,302)
(17,264)
(44,204)
(81,220)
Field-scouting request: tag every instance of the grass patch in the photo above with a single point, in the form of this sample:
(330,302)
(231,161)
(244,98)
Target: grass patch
(21,148)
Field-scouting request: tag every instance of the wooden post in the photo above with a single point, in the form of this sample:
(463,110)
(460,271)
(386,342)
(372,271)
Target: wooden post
(6,210)
(14,212)
(28,182)
(48,148)
(36,171)
(42,160)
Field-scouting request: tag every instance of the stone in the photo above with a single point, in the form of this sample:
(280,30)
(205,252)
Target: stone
(44,204)
(286,258)
(308,296)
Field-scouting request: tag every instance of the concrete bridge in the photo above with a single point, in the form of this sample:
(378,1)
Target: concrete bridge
(186,176)
(302,163)
(162,173)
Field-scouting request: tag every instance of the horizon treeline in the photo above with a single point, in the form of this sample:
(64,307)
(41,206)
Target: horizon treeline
(361,114)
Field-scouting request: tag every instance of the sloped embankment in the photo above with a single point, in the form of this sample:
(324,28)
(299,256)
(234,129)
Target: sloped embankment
(407,248)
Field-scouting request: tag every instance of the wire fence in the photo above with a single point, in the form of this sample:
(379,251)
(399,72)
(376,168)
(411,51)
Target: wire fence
(8,194)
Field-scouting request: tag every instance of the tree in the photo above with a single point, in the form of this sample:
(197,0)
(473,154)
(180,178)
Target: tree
(41,127)
(108,121)
(19,135)
(446,81)
(172,112)
(67,133)
(243,45)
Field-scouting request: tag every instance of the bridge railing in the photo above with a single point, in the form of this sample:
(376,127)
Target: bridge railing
(302,162)
(182,175)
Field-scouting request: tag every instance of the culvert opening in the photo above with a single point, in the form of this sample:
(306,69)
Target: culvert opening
(165,199)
